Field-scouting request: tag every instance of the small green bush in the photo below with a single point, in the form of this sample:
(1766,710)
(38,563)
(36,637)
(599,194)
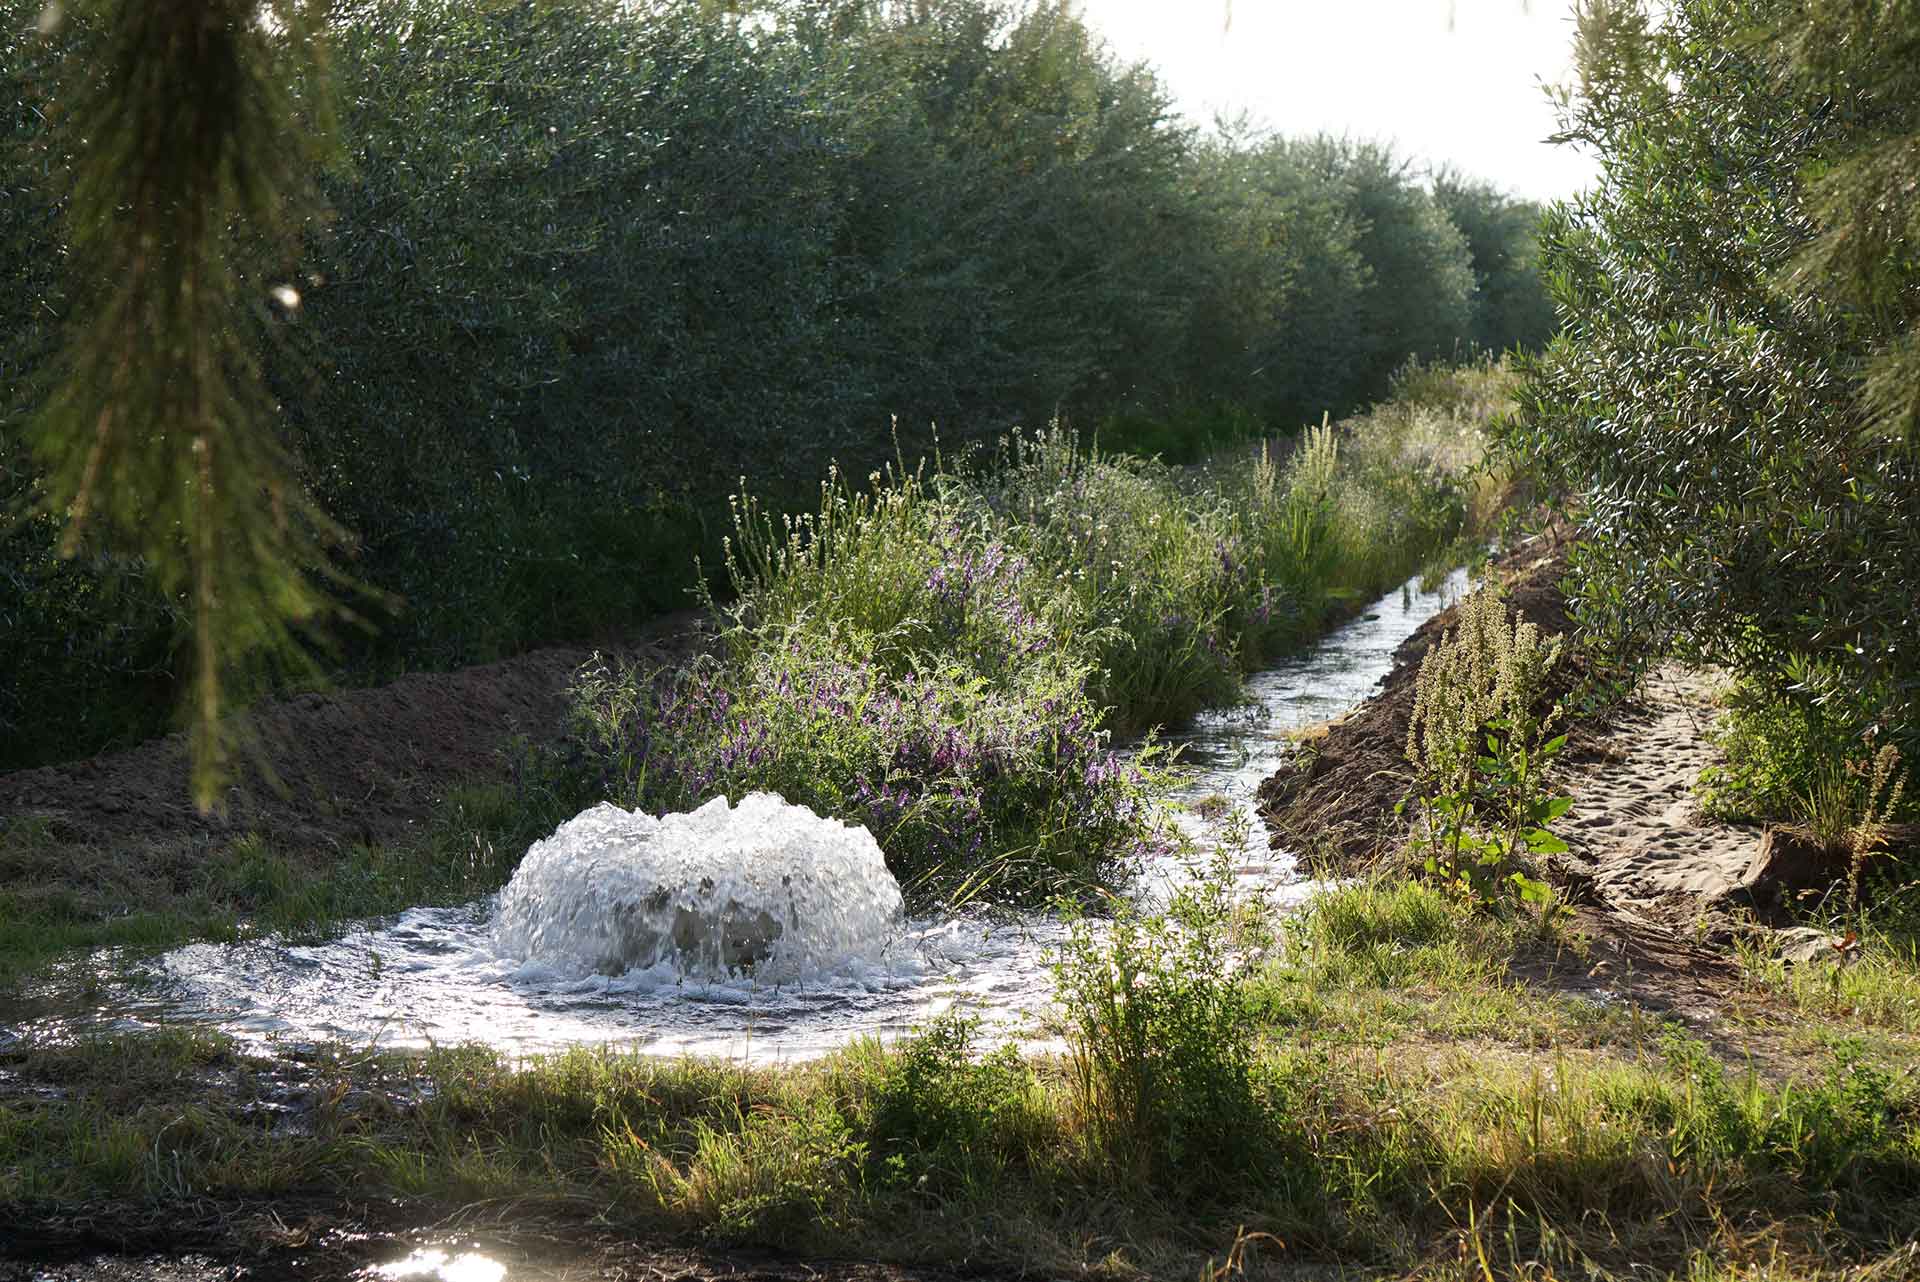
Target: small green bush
(948,1121)
(1775,749)
(1161,1043)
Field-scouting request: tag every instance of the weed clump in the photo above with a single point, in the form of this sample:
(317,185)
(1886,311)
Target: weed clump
(1163,1063)
(949,654)
(1477,741)
(949,1121)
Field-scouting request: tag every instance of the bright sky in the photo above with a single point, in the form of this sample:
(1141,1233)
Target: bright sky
(1447,80)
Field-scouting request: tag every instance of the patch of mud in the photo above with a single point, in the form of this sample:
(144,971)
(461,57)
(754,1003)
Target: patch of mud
(1333,801)
(346,766)
(287,1242)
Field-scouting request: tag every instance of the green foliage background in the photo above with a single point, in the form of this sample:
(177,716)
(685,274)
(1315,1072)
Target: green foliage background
(577,268)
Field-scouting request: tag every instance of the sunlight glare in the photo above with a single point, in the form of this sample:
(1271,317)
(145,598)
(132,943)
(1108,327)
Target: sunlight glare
(1450,81)
(431,1265)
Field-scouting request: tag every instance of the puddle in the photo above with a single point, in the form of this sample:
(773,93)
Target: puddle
(431,1264)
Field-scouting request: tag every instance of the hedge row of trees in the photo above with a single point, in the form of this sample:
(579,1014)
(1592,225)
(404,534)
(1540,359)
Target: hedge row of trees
(575,268)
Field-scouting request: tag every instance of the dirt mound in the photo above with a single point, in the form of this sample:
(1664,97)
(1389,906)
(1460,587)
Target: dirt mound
(1333,803)
(325,770)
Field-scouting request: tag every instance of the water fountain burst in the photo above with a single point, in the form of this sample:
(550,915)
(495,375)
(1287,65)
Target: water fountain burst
(765,887)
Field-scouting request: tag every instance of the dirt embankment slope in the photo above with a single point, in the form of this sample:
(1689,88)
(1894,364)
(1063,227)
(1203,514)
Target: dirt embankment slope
(1640,849)
(328,770)
(1334,801)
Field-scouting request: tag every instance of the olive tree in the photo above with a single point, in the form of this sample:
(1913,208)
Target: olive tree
(1726,411)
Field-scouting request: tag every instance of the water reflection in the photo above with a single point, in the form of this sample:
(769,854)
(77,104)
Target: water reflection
(434,1265)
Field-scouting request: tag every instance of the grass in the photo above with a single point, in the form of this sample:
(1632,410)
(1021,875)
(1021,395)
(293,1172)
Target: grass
(1873,983)
(1378,964)
(57,896)
(1638,1155)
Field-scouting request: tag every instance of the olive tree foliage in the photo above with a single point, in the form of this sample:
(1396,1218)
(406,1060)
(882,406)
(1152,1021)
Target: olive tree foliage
(579,274)
(1280,307)
(570,271)
(86,624)
(633,256)
(183,148)
(1419,297)
(1332,264)
(1511,308)
(1863,58)
(1020,225)
(1719,394)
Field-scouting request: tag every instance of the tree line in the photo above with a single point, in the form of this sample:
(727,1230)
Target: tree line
(513,293)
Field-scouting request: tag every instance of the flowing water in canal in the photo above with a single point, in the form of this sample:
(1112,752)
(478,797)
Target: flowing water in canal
(444,975)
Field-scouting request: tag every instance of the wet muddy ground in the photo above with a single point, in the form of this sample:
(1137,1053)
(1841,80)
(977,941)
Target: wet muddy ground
(268,1250)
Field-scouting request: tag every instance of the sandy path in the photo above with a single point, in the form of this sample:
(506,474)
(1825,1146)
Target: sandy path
(1637,837)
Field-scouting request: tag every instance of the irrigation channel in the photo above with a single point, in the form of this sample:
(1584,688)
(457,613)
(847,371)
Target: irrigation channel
(444,975)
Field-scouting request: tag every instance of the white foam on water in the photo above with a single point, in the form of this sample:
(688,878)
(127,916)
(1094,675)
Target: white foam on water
(766,887)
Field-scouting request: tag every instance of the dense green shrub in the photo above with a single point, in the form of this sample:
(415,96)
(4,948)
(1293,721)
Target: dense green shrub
(92,641)
(1711,398)
(1162,1041)
(1511,306)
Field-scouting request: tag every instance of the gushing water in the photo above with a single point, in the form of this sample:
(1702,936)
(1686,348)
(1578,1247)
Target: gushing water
(765,887)
(754,931)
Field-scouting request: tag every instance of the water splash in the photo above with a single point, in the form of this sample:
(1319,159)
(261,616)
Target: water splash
(765,887)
